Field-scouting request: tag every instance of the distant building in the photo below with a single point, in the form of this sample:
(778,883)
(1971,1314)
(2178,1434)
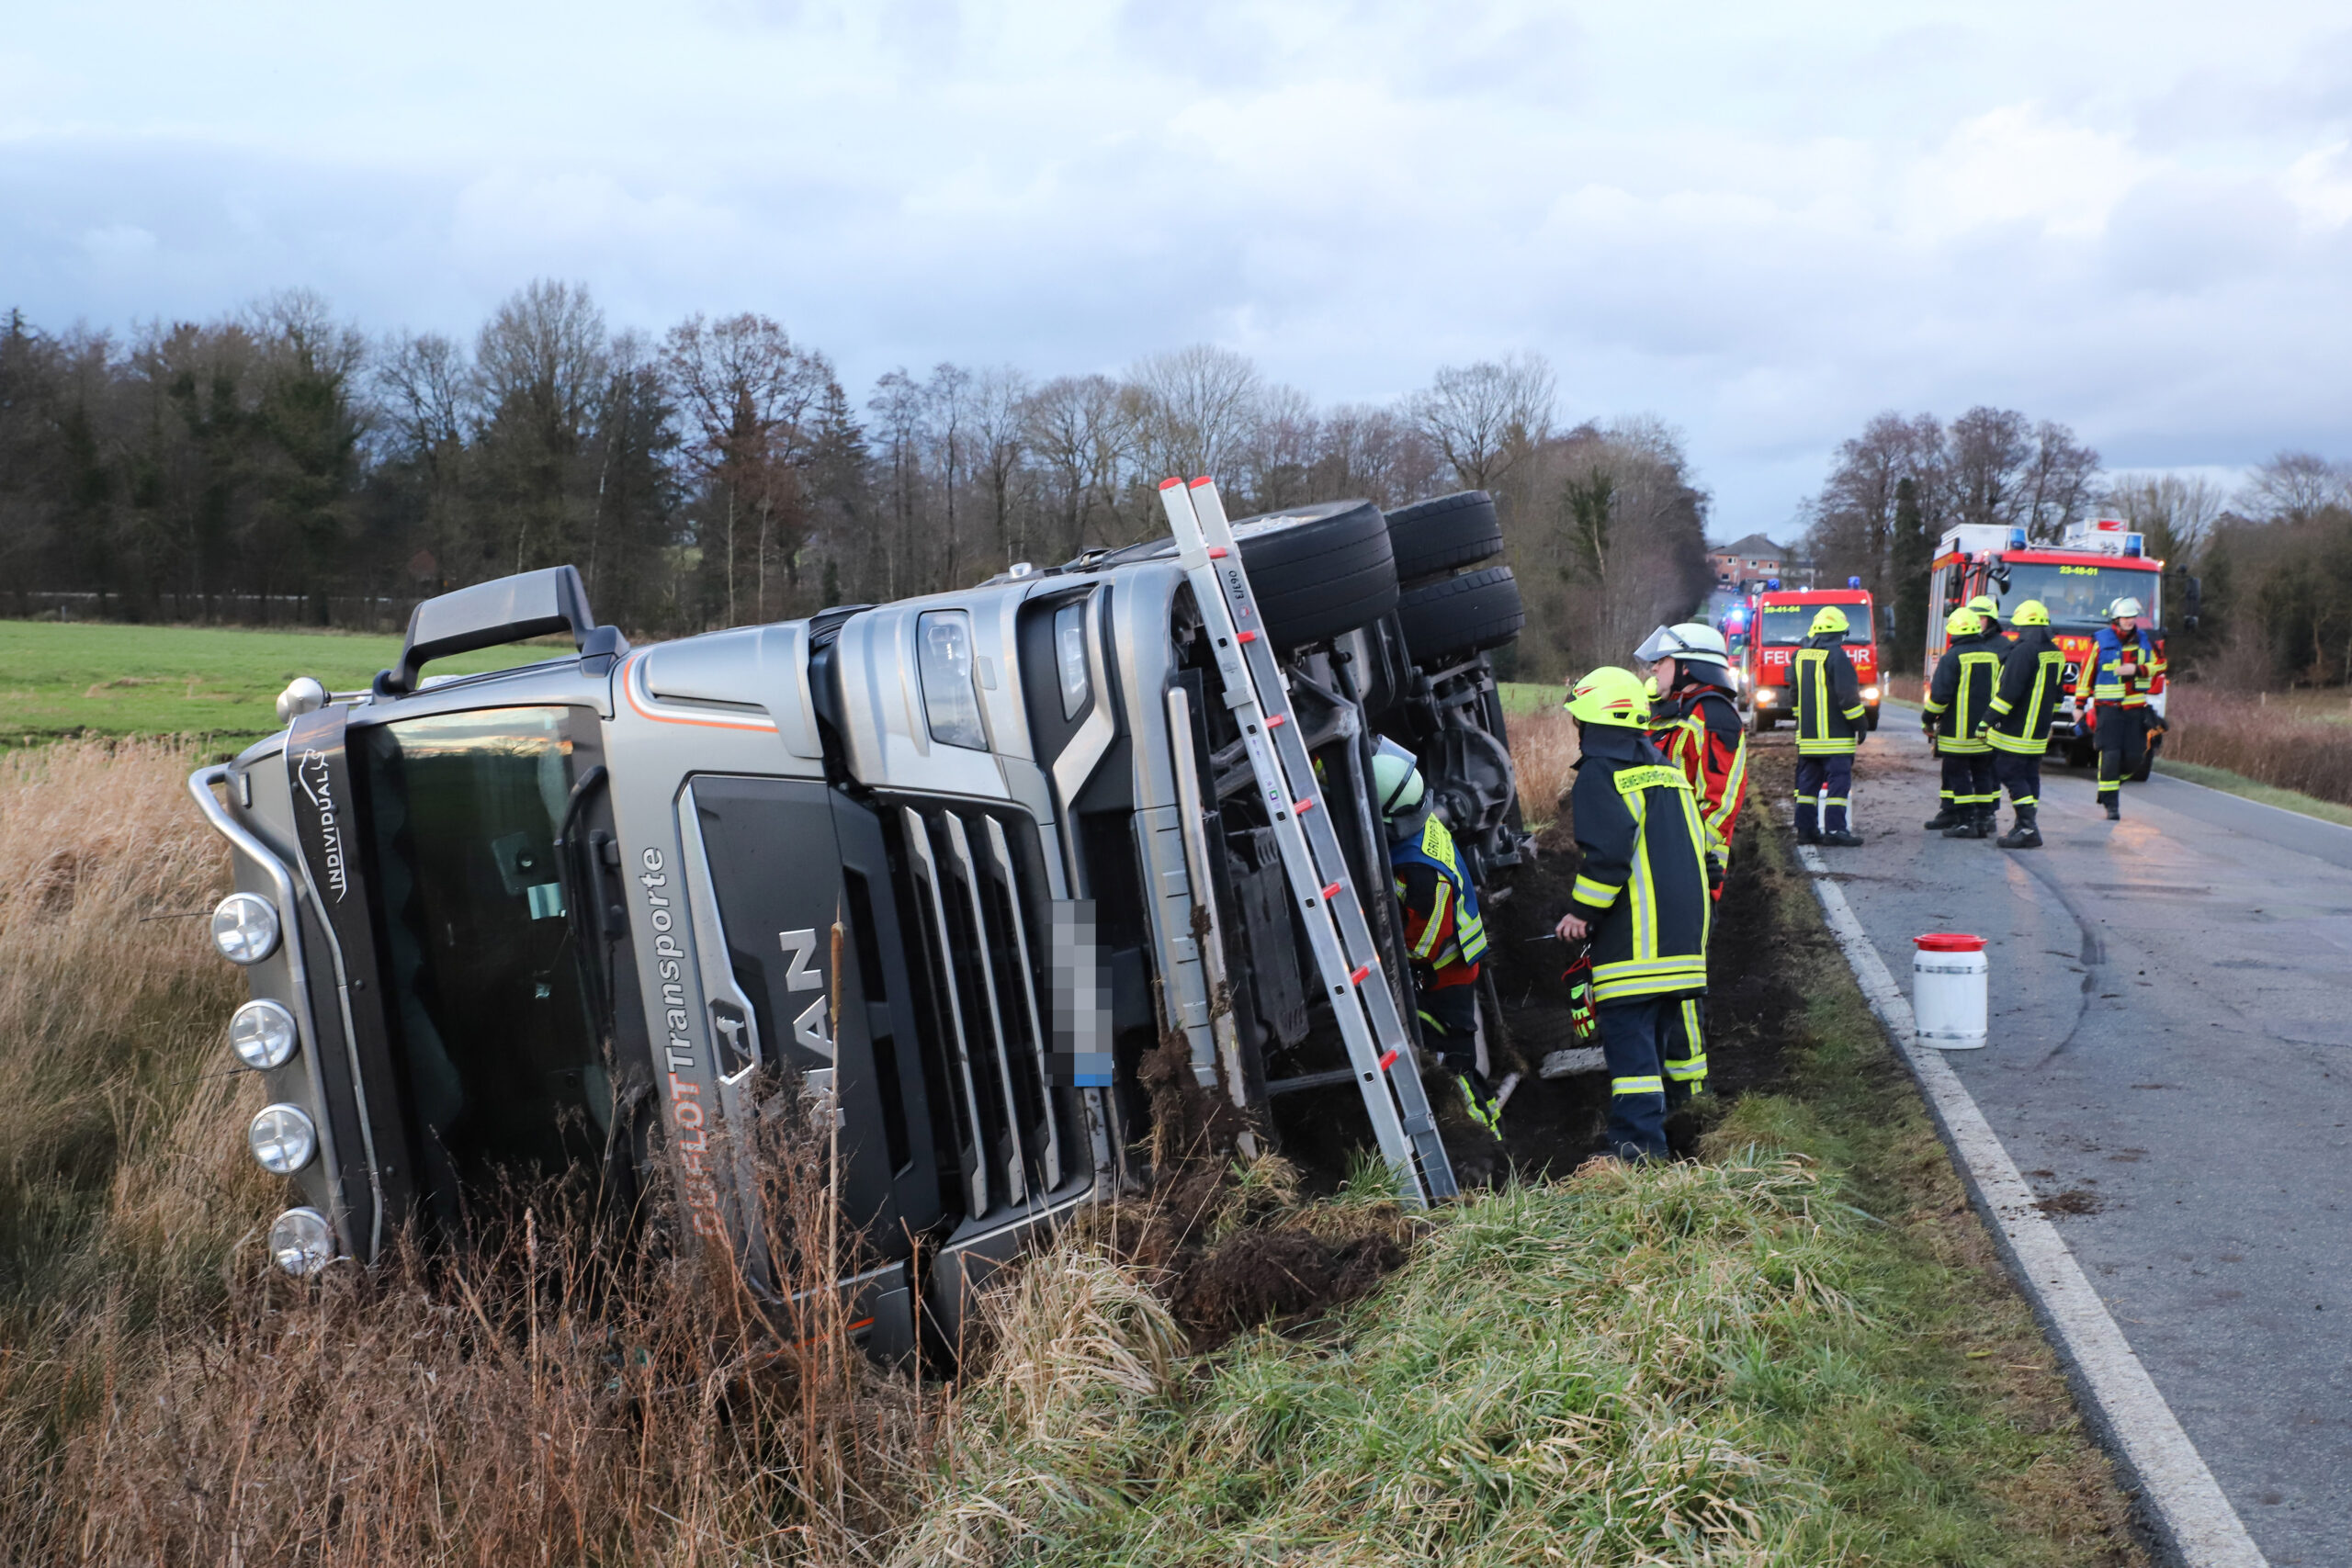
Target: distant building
(1748,561)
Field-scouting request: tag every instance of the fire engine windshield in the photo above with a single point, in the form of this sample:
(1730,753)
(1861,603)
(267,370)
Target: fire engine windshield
(1785,626)
(491,1005)
(2078,596)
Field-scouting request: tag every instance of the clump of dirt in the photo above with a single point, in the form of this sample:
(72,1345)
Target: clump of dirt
(2074,1201)
(1224,1238)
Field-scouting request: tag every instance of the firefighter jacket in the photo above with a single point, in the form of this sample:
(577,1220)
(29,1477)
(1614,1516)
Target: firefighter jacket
(2103,679)
(1442,929)
(1699,730)
(2033,674)
(1959,694)
(1829,712)
(1643,882)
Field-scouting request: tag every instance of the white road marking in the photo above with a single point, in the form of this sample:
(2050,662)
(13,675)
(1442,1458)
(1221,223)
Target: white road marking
(2183,1502)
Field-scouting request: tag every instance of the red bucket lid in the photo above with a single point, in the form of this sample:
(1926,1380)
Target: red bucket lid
(1949,941)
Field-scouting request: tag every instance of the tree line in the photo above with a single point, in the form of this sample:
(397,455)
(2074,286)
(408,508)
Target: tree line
(2274,557)
(281,464)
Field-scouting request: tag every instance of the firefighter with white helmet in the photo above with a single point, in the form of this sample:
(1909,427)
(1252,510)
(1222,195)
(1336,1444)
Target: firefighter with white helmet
(1641,899)
(2112,692)
(1444,932)
(1694,721)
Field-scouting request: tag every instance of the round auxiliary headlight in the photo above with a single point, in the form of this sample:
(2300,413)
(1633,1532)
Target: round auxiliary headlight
(244,928)
(262,1034)
(282,1138)
(301,1242)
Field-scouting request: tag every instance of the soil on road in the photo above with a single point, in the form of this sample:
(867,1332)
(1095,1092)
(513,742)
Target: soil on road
(2170,1062)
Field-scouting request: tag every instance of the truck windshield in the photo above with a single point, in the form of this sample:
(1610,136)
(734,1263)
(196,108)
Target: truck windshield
(491,1008)
(2079,596)
(1785,626)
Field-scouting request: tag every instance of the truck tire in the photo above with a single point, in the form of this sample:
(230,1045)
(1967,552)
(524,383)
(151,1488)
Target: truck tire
(1444,534)
(1759,722)
(1457,616)
(1318,571)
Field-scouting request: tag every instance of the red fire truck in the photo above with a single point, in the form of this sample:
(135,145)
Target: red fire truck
(2095,563)
(1776,620)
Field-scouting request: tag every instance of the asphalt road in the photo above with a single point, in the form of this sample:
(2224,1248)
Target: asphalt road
(2170,1062)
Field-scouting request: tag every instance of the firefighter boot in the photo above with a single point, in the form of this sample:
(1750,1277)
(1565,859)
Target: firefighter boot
(1951,816)
(2114,804)
(2026,835)
(1979,824)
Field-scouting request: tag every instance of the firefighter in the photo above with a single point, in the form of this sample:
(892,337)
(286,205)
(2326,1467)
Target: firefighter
(1960,693)
(1442,929)
(2113,689)
(1990,613)
(1697,726)
(1831,722)
(1641,899)
(2033,673)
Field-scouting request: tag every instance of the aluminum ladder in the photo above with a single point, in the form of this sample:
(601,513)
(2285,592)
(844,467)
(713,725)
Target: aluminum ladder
(1353,981)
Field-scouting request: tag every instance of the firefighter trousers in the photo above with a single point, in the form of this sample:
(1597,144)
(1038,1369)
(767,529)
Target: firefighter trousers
(1970,783)
(2021,774)
(1647,1043)
(1833,774)
(2123,737)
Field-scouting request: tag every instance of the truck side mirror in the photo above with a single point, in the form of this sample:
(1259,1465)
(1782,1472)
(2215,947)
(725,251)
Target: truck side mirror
(491,615)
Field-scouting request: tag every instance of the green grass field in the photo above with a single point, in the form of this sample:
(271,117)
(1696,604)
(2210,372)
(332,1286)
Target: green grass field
(216,683)
(1530,697)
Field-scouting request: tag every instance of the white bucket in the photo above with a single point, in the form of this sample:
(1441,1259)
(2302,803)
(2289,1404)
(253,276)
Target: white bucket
(1948,990)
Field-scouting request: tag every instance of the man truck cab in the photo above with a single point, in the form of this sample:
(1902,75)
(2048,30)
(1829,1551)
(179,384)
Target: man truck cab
(935,875)
(2093,564)
(1777,620)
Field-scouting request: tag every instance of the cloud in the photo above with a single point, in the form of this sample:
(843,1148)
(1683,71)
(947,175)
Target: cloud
(1764,225)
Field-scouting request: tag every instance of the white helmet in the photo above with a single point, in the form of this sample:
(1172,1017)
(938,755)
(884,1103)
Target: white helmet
(2121,608)
(1396,778)
(1691,642)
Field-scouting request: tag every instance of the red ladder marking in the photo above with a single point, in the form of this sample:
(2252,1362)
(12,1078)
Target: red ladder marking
(1388,1061)
(1301,807)
(1245,636)
(1357,978)
(1273,721)
(1327,892)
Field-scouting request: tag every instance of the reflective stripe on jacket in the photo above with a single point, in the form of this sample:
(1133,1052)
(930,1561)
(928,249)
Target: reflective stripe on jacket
(2033,673)
(1829,696)
(1960,694)
(1699,730)
(1443,929)
(2102,679)
(1643,882)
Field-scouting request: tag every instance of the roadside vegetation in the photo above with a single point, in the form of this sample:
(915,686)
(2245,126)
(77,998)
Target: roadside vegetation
(219,683)
(2297,742)
(1798,1350)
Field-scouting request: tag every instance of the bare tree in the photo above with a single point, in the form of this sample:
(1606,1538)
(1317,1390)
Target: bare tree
(1197,406)
(2293,486)
(1079,428)
(746,393)
(2059,483)
(2176,511)
(998,399)
(1486,417)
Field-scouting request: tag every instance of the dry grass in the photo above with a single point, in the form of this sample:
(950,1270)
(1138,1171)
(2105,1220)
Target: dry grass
(1543,753)
(2288,745)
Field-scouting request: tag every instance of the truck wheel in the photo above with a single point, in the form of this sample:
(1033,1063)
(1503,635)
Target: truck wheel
(1758,721)
(1318,571)
(1457,617)
(1871,721)
(1451,532)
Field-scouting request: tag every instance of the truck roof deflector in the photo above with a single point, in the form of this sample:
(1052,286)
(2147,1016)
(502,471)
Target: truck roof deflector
(491,615)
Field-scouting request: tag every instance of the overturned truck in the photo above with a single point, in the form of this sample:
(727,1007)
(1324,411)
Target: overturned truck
(939,873)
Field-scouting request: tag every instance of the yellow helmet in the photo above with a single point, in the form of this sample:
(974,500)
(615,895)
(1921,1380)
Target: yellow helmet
(1982,604)
(1650,687)
(1610,695)
(1963,622)
(1829,619)
(2030,613)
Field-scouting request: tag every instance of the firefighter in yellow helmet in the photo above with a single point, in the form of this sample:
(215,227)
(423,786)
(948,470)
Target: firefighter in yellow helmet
(1960,698)
(2033,674)
(1443,929)
(1641,899)
(1989,612)
(1831,723)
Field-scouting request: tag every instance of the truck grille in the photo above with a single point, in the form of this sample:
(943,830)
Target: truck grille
(970,888)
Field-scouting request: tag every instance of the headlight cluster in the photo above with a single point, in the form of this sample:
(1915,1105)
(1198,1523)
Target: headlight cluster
(283,1138)
(301,1241)
(1869,693)
(262,1033)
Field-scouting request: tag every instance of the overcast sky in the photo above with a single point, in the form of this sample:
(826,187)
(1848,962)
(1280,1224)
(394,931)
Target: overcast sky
(1763,223)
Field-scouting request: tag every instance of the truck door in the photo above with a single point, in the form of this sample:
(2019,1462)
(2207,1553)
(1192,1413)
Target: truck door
(784,858)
